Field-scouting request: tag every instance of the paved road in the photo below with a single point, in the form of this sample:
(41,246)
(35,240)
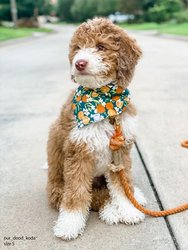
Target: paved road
(34,82)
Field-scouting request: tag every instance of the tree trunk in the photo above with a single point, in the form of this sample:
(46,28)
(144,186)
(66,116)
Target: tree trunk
(14,12)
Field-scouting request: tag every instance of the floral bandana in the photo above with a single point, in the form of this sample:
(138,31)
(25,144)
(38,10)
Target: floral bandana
(94,105)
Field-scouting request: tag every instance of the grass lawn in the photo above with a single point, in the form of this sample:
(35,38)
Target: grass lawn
(168,28)
(11,33)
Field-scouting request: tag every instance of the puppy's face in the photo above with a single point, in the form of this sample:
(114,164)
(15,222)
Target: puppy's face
(101,52)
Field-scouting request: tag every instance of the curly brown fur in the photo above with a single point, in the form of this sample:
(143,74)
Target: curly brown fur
(64,160)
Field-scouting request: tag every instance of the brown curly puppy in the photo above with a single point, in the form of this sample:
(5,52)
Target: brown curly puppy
(79,158)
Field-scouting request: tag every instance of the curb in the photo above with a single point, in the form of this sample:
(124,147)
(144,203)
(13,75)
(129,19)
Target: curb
(171,36)
(155,33)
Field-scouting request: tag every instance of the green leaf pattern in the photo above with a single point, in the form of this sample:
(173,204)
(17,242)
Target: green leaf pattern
(94,105)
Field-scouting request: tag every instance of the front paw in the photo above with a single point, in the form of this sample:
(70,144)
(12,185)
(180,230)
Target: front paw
(109,214)
(129,215)
(121,210)
(69,224)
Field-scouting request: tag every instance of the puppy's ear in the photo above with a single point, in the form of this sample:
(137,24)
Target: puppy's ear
(129,53)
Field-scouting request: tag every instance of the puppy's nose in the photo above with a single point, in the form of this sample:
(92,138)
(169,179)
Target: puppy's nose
(81,64)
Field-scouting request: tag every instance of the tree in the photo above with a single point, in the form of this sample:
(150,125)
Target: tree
(164,10)
(131,6)
(106,7)
(185,2)
(84,9)
(44,7)
(5,13)
(64,10)
(148,4)
(13,6)
(25,8)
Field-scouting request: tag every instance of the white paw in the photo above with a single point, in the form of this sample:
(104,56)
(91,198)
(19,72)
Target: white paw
(130,215)
(121,210)
(139,196)
(69,224)
(109,214)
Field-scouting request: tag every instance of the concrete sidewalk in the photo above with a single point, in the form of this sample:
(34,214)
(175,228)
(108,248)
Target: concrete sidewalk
(161,95)
(34,82)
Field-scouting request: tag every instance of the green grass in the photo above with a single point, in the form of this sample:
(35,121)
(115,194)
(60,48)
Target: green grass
(62,22)
(168,28)
(12,33)
(67,23)
(140,26)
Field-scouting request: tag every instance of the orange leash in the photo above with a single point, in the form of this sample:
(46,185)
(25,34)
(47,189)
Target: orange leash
(129,194)
(116,142)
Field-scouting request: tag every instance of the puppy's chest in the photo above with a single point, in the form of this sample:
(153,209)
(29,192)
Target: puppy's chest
(97,137)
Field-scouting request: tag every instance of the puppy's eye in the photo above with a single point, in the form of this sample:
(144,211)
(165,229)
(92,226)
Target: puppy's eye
(100,47)
(77,47)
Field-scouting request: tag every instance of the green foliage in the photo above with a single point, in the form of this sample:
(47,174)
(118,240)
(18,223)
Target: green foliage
(164,10)
(172,6)
(106,7)
(181,16)
(145,10)
(131,7)
(5,10)
(84,9)
(148,4)
(44,6)
(157,14)
(63,10)
(25,8)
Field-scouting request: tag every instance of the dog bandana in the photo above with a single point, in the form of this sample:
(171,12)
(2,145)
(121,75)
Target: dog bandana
(94,105)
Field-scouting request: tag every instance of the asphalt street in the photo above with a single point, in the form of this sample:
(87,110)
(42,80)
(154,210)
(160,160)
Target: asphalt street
(34,83)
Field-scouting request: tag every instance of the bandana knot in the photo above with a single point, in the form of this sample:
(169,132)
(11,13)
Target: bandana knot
(94,105)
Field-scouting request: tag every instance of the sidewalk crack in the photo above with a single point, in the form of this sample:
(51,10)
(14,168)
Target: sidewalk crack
(157,197)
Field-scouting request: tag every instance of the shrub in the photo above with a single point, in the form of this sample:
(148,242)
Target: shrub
(157,14)
(63,10)
(181,17)
(84,9)
(5,14)
(164,10)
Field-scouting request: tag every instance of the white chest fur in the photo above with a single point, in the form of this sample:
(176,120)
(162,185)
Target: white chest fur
(97,137)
